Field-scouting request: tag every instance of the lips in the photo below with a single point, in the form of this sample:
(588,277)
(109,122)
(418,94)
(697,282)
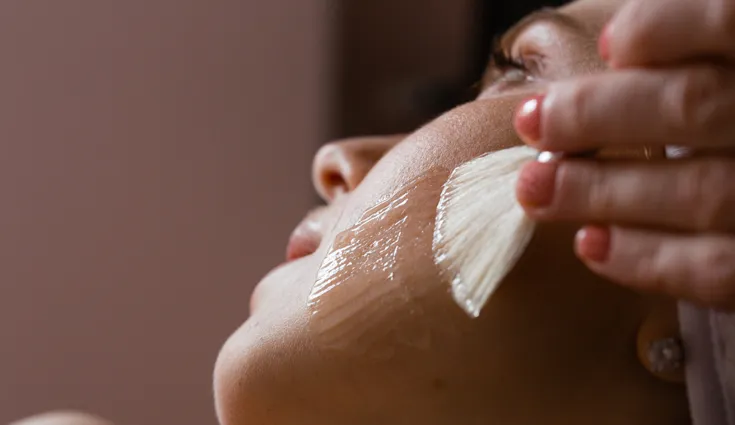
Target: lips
(305,239)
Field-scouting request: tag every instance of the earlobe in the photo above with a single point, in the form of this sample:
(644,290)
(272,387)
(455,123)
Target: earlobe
(659,345)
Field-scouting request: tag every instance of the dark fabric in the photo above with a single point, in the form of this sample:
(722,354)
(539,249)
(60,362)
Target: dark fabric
(709,341)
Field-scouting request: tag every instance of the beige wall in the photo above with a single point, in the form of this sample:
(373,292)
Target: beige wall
(154,156)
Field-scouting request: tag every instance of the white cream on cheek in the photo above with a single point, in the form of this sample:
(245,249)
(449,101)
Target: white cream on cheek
(366,298)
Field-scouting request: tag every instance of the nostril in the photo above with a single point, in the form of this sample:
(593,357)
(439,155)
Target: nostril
(334,179)
(333,182)
(339,167)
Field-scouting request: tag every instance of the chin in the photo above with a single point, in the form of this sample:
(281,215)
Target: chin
(235,403)
(224,385)
(254,368)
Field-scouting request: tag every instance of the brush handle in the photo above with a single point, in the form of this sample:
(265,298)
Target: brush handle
(548,156)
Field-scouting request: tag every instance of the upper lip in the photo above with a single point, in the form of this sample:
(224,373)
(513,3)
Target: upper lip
(306,237)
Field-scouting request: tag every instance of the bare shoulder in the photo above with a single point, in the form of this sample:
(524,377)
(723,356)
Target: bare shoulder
(63,418)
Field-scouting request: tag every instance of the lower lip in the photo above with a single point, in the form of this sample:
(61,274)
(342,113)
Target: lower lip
(301,246)
(298,247)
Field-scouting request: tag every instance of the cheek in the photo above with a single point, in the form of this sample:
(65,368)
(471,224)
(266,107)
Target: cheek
(381,332)
(367,296)
(383,242)
(457,136)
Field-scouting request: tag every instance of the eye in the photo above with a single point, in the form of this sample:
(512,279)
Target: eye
(505,62)
(506,70)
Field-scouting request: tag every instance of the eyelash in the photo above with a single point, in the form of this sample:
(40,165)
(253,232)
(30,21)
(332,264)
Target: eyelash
(503,61)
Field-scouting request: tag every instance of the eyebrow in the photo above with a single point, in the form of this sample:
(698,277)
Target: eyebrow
(542,15)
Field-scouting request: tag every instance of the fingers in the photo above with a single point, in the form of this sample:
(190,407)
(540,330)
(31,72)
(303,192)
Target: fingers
(688,107)
(647,32)
(699,269)
(690,195)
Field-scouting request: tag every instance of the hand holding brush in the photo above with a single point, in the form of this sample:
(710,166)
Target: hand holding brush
(666,226)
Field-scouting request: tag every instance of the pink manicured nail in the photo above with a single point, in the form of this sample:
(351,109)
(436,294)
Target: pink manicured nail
(593,244)
(528,120)
(603,43)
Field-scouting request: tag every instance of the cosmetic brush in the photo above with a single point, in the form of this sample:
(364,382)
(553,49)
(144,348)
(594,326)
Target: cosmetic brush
(481,231)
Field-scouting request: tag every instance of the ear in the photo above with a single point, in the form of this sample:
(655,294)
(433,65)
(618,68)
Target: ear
(659,345)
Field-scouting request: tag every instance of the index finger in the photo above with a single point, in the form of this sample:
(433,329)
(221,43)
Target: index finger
(689,107)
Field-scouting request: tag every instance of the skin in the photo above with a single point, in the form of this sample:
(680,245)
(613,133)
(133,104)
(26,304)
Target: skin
(556,344)
(674,84)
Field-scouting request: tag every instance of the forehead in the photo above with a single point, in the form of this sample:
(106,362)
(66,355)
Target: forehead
(592,13)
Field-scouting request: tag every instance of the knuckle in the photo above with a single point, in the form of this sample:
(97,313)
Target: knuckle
(578,104)
(648,270)
(705,191)
(691,102)
(600,196)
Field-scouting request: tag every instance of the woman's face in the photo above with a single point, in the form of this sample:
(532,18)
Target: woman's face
(359,327)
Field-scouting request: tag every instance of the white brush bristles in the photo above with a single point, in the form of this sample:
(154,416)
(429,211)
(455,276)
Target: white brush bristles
(481,231)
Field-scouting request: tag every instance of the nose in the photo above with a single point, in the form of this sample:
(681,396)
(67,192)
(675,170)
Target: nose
(339,167)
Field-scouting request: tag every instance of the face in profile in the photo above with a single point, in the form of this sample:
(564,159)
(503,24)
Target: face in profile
(359,326)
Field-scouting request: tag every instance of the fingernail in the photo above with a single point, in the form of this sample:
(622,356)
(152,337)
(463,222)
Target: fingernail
(593,244)
(528,120)
(536,184)
(603,43)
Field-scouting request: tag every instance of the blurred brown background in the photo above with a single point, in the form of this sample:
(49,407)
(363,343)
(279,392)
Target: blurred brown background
(400,62)
(155,156)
